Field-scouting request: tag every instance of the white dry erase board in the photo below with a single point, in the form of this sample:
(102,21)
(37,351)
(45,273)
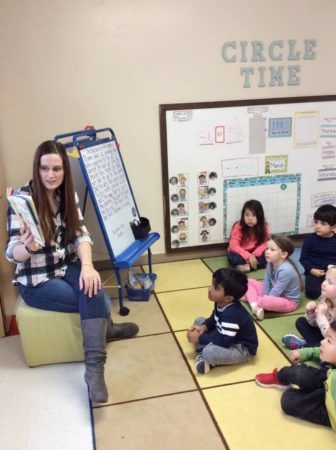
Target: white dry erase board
(111,194)
(216,156)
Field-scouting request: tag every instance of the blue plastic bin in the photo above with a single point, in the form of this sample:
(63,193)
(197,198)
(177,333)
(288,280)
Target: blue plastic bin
(141,295)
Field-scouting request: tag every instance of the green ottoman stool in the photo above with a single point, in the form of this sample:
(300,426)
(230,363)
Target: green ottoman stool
(49,337)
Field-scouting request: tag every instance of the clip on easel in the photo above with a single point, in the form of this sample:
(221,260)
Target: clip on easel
(112,197)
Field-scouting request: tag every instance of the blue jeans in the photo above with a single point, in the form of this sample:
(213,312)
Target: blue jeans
(235,260)
(312,335)
(313,285)
(64,295)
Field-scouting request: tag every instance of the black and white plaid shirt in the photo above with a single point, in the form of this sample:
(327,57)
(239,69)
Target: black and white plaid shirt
(50,261)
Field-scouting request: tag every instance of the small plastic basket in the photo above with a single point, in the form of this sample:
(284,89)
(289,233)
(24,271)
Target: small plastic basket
(141,295)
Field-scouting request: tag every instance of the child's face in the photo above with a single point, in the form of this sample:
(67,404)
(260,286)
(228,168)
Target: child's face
(217,294)
(323,229)
(328,347)
(273,253)
(250,218)
(328,288)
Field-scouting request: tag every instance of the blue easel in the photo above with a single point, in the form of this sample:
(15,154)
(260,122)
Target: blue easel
(90,141)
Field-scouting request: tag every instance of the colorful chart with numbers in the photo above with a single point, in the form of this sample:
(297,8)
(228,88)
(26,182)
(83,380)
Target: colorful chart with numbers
(279,195)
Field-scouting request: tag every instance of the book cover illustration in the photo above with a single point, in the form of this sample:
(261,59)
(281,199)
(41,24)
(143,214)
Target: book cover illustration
(24,207)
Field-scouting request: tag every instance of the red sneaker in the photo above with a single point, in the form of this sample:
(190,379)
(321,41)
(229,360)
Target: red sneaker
(270,380)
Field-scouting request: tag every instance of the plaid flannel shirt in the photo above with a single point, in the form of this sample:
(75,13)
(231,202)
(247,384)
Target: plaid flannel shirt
(50,261)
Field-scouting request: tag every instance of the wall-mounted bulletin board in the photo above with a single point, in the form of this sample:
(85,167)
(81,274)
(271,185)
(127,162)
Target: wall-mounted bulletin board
(217,155)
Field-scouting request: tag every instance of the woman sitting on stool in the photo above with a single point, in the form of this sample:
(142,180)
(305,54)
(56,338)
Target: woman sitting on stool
(60,276)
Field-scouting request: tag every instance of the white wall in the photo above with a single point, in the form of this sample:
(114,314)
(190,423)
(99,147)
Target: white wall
(113,62)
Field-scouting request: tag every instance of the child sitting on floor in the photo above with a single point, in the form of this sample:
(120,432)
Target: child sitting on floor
(246,250)
(229,335)
(315,398)
(314,326)
(281,288)
(319,249)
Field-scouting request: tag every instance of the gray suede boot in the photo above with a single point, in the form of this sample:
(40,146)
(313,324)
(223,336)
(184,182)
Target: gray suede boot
(120,330)
(94,343)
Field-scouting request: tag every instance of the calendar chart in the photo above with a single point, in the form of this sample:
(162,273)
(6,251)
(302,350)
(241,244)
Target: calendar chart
(279,195)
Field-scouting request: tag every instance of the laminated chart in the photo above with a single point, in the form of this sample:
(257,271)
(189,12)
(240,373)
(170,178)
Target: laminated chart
(306,129)
(279,195)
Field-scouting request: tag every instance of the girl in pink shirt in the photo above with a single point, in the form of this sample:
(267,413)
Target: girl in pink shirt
(248,238)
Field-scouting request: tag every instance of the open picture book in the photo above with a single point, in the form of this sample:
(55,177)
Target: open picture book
(24,207)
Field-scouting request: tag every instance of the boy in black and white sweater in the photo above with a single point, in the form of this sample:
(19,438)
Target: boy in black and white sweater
(228,336)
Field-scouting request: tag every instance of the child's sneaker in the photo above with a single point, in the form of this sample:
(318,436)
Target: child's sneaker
(245,268)
(257,311)
(201,365)
(293,342)
(270,380)
(260,314)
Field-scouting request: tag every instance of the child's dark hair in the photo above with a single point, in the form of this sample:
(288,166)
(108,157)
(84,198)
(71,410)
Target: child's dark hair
(326,213)
(233,281)
(259,230)
(286,245)
(333,325)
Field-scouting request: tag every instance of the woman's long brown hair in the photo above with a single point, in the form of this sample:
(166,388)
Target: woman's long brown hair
(68,209)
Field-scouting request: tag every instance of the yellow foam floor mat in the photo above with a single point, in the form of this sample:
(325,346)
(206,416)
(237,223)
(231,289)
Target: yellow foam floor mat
(147,315)
(145,367)
(173,422)
(250,418)
(181,275)
(182,307)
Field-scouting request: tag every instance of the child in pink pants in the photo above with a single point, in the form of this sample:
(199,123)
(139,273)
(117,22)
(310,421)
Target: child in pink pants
(280,291)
